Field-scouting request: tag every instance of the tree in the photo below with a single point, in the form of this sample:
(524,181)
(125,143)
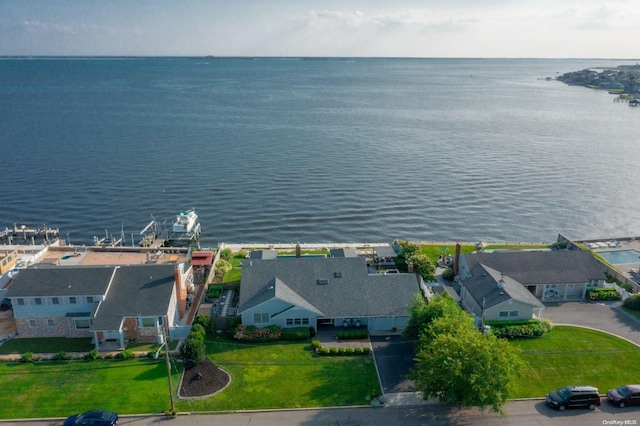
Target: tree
(408,249)
(193,349)
(422,313)
(460,365)
(422,265)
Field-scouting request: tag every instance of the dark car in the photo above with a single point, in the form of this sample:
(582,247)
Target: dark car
(574,396)
(93,417)
(625,395)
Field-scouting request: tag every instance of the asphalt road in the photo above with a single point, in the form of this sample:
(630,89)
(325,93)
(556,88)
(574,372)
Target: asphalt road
(530,412)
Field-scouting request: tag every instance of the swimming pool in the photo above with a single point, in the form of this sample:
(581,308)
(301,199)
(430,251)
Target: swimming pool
(619,257)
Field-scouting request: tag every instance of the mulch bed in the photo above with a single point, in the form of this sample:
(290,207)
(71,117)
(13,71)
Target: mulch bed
(202,380)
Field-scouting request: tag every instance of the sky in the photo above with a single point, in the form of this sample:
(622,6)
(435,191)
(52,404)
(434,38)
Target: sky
(347,28)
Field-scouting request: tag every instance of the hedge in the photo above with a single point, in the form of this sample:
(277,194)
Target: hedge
(296,333)
(351,335)
(632,302)
(603,294)
(519,328)
(321,350)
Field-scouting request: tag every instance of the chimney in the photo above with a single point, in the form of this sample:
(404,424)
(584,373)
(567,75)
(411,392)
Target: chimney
(181,291)
(298,251)
(456,261)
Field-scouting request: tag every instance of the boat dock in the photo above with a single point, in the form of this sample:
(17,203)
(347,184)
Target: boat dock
(24,234)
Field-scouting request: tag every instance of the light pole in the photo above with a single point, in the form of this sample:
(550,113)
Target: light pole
(166,357)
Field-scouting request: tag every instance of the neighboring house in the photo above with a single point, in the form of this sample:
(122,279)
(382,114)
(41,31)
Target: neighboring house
(321,292)
(108,303)
(512,284)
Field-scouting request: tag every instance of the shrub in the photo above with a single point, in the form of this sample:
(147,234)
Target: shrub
(125,354)
(366,350)
(205,321)
(222,267)
(295,333)
(27,357)
(340,351)
(333,351)
(312,332)
(193,349)
(60,356)
(109,356)
(323,351)
(92,355)
(252,333)
(603,294)
(316,344)
(632,302)
(225,254)
(198,331)
(448,274)
(519,328)
(351,335)
(348,351)
(214,291)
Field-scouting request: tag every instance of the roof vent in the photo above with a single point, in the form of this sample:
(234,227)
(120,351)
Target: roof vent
(337,274)
(323,281)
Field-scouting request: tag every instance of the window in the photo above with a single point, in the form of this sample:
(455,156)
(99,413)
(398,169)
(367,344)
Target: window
(298,321)
(513,313)
(147,321)
(82,323)
(503,314)
(289,321)
(55,300)
(89,299)
(51,323)
(32,323)
(20,301)
(305,321)
(38,300)
(261,318)
(72,300)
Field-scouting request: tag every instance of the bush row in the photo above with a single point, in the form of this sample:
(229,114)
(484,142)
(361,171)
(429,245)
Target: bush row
(92,355)
(251,333)
(343,351)
(352,335)
(632,302)
(296,333)
(603,294)
(519,328)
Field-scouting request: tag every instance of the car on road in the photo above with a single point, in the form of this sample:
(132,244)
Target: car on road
(625,395)
(92,417)
(574,396)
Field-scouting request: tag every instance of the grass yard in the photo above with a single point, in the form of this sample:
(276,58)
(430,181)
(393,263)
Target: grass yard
(59,389)
(575,356)
(286,375)
(276,375)
(49,345)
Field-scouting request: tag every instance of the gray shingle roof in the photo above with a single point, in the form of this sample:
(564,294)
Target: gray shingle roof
(494,288)
(136,290)
(529,268)
(47,281)
(337,287)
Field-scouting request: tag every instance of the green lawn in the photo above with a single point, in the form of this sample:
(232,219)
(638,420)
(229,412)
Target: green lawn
(59,389)
(285,374)
(50,345)
(575,356)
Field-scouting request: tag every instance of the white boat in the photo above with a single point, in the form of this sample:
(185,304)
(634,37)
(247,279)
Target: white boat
(185,230)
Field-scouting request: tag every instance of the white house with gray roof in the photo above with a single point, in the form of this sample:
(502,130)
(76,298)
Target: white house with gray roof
(513,285)
(108,303)
(319,292)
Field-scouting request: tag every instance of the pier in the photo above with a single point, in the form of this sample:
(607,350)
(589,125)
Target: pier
(25,234)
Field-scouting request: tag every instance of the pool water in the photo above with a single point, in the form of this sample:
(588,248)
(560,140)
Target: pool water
(619,257)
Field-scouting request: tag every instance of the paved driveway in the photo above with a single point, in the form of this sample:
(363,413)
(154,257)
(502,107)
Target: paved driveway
(602,316)
(394,359)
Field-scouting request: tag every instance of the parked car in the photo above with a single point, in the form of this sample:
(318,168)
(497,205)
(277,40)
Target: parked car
(625,395)
(93,417)
(574,396)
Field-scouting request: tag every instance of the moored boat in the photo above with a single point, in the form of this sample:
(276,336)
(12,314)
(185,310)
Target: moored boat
(185,230)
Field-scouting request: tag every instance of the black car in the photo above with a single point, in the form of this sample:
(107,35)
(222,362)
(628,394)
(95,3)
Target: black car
(625,395)
(93,417)
(574,396)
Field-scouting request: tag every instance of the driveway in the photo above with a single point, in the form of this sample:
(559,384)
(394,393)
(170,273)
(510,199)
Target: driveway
(601,316)
(394,359)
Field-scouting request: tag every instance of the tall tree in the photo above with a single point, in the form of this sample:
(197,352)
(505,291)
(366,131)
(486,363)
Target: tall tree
(460,365)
